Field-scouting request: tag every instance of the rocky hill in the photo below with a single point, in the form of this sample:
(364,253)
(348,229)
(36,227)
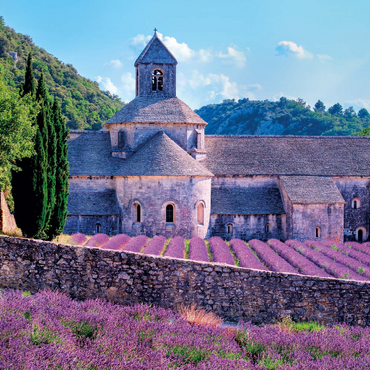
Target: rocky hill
(283,117)
(84,105)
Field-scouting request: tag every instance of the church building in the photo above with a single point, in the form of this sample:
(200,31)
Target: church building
(153,171)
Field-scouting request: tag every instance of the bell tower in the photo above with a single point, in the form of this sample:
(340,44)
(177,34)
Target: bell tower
(156,71)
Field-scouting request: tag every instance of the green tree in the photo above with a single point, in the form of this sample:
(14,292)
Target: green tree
(16,134)
(336,110)
(319,107)
(29,86)
(59,215)
(363,113)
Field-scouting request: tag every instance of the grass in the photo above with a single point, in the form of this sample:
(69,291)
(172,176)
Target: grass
(200,317)
(210,257)
(187,247)
(62,239)
(16,232)
(165,246)
(237,262)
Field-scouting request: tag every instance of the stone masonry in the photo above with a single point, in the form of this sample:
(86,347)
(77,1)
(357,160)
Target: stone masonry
(231,292)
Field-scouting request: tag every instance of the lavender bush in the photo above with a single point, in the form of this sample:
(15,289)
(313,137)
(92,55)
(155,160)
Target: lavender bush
(348,251)
(245,256)
(198,250)
(361,247)
(220,251)
(136,244)
(270,258)
(155,246)
(51,331)
(304,265)
(333,268)
(176,248)
(78,239)
(117,242)
(97,240)
(358,268)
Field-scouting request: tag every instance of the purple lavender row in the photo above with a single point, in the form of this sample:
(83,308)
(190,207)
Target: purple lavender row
(360,269)
(176,248)
(359,256)
(270,258)
(198,250)
(220,251)
(136,244)
(78,239)
(333,268)
(304,265)
(97,240)
(117,242)
(245,256)
(155,246)
(361,247)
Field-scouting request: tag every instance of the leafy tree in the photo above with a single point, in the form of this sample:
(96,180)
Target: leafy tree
(16,134)
(336,110)
(350,113)
(319,107)
(364,132)
(29,86)
(59,215)
(363,113)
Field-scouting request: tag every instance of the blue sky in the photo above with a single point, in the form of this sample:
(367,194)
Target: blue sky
(226,49)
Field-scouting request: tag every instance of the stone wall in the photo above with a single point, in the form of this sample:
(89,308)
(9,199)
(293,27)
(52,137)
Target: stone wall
(7,220)
(231,292)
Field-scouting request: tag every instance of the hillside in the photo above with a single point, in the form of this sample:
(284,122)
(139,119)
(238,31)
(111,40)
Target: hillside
(84,105)
(284,117)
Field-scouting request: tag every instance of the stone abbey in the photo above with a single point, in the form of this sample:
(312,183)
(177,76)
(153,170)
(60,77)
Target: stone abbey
(152,170)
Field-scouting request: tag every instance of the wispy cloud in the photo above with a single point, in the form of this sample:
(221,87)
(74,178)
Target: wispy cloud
(116,63)
(255,87)
(127,90)
(289,48)
(324,57)
(233,56)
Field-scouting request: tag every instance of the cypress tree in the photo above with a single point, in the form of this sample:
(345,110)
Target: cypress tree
(59,215)
(29,81)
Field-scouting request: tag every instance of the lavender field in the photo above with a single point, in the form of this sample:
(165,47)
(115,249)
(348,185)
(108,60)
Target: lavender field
(349,260)
(51,331)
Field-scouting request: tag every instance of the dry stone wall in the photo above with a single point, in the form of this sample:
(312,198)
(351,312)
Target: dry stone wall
(231,292)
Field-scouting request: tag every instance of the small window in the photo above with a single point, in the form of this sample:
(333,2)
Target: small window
(157,80)
(169,213)
(356,203)
(267,228)
(121,139)
(361,234)
(138,212)
(230,228)
(98,228)
(318,232)
(200,213)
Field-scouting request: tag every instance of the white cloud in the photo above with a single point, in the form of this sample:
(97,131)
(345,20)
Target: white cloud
(116,63)
(140,40)
(289,48)
(324,57)
(255,87)
(359,103)
(277,97)
(233,56)
(107,84)
(127,91)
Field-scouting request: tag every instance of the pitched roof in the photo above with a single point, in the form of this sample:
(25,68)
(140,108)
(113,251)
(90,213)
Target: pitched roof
(288,155)
(161,156)
(156,110)
(246,200)
(156,52)
(99,203)
(89,153)
(311,189)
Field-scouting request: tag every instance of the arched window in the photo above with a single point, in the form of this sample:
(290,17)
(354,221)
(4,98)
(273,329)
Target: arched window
(98,228)
(356,203)
(318,232)
(200,213)
(169,213)
(229,228)
(157,80)
(121,138)
(267,228)
(138,212)
(361,234)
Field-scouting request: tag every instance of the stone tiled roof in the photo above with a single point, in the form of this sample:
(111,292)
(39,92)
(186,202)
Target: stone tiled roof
(99,203)
(156,52)
(246,200)
(311,189)
(288,155)
(89,154)
(156,110)
(161,156)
